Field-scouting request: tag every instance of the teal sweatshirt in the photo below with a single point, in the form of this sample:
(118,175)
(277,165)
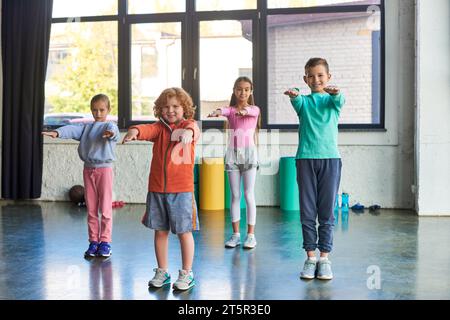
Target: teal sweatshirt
(318,115)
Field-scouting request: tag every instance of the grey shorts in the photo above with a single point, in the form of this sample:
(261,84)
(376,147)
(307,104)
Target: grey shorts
(176,212)
(241,159)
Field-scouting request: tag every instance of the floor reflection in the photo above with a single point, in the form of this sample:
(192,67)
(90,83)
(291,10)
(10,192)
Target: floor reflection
(101,285)
(42,246)
(21,251)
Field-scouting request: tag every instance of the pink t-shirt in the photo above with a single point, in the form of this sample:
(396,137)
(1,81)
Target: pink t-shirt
(242,128)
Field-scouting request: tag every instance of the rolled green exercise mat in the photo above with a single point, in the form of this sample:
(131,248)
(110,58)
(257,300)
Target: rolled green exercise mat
(196,193)
(228,193)
(196,172)
(289,196)
(196,182)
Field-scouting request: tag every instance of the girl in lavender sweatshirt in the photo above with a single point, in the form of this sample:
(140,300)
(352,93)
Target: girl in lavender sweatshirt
(96,149)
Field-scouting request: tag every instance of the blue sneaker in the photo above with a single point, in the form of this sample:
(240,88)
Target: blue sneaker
(324,270)
(309,269)
(92,250)
(104,249)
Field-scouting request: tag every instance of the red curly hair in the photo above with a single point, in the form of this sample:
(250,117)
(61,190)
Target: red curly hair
(181,95)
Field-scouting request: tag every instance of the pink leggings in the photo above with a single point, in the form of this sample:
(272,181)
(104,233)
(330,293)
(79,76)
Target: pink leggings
(98,184)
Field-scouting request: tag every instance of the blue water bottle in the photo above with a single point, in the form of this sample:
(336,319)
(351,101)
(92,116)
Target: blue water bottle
(344,202)
(336,206)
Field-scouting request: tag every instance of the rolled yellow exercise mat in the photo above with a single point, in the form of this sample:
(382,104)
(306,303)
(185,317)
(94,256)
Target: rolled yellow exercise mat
(289,196)
(212,183)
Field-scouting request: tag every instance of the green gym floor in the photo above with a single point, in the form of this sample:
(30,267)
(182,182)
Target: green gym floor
(391,254)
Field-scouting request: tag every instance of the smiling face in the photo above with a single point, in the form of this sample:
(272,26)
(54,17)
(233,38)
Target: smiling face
(317,78)
(100,110)
(242,91)
(172,111)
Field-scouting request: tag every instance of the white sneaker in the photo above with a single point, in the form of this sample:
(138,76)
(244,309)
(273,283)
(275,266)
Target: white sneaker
(309,269)
(185,280)
(235,240)
(250,242)
(161,278)
(324,270)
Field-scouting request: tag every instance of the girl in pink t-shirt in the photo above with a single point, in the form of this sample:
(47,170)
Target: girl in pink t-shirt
(241,159)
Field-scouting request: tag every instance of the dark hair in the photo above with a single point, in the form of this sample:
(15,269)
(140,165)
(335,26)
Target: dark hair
(316,62)
(250,101)
(101,97)
(183,97)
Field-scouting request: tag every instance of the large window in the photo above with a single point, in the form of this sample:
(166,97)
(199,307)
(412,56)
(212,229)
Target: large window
(132,49)
(155,64)
(225,51)
(82,62)
(350,46)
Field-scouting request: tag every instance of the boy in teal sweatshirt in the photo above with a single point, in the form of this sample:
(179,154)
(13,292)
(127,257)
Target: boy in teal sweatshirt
(318,164)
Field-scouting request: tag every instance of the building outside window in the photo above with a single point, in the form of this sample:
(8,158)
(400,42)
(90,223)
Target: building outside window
(132,50)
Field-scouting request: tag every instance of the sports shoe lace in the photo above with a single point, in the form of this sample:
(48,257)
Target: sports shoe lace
(184,277)
(309,265)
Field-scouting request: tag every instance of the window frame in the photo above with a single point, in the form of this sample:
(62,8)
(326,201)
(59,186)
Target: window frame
(217,16)
(328,9)
(190,20)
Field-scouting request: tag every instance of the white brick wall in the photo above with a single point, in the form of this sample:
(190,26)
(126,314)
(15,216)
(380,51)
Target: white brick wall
(347,46)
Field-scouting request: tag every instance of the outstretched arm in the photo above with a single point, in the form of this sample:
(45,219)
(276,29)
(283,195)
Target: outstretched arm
(292,92)
(108,134)
(131,135)
(252,111)
(51,134)
(145,132)
(215,113)
(337,99)
(112,132)
(333,90)
(296,99)
(187,136)
(242,112)
(70,132)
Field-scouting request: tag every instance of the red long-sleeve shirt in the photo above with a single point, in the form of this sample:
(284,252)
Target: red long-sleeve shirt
(172,164)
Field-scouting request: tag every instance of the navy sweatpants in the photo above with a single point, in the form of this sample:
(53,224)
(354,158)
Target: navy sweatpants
(318,183)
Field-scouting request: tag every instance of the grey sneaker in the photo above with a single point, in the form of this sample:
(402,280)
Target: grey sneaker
(324,270)
(309,269)
(161,278)
(185,280)
(234,241)
(250,242)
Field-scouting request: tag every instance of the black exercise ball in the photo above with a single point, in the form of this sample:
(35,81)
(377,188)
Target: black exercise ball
(76,194)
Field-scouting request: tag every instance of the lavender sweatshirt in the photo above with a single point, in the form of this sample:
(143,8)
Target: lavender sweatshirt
(94,150)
